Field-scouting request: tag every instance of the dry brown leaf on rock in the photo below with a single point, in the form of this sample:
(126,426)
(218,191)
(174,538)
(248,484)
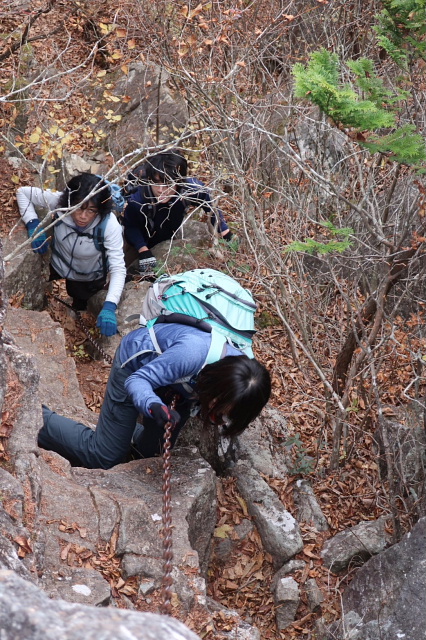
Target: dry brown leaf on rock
(24,546)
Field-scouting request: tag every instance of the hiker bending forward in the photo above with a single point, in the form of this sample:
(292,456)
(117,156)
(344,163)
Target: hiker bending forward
(87,245)
(231,392)
(159,194)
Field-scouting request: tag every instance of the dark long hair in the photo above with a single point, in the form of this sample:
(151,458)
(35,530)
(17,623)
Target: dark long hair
(237,387)
(169,165)
(79,187)
(166,166)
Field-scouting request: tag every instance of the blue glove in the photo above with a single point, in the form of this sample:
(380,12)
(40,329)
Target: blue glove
(40,244)
(107,320)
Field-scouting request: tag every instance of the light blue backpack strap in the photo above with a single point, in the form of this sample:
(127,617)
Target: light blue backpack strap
(247,351)
(140,353)
(216,348)
(216,352)
(154,340)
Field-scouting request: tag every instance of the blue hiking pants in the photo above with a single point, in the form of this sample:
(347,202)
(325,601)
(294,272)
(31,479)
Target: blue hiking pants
(111,442)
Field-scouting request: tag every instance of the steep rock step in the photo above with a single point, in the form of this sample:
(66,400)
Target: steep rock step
(37,334)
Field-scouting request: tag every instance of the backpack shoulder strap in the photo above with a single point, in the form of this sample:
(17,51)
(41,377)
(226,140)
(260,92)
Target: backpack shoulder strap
(217,348)
(99,233)
(99,241)
(135,355)
(217,351)
(140,353)
(218,344)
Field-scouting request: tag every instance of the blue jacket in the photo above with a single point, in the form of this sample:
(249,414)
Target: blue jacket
(184,353)
(146,222)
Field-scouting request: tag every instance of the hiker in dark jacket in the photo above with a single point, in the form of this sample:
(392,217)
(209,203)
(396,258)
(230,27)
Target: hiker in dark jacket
(158,195)
(75,255)
(230,392)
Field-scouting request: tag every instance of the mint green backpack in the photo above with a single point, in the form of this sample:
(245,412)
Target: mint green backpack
(208,300)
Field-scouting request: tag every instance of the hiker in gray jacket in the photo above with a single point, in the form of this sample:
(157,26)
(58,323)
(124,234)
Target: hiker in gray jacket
(87,244)
(231,392)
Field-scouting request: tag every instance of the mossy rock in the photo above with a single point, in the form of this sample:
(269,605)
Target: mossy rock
(266,319)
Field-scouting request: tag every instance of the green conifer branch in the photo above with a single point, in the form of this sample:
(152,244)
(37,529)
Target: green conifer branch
(311,246)
(319,82)
(401,30)
(403,145)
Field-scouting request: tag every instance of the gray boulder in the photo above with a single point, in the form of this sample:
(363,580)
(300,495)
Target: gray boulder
(150,101)
(73,164)
(26,613)
(121,507)
(278,529)
(286,597)
(314,594)
(355,545)
(26,274)
(258,445)
(385,600)
(308,509)
(319,142)
(291,566)
(37,335)
(405,435)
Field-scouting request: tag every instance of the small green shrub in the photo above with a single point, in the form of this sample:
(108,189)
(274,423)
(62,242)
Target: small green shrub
(302,463)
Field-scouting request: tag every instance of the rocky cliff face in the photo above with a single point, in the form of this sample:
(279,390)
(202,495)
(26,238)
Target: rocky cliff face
(90,537)
(75,542)
(61,526)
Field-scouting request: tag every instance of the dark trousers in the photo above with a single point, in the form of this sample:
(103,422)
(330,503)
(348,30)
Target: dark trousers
(79,291)
(111,442)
